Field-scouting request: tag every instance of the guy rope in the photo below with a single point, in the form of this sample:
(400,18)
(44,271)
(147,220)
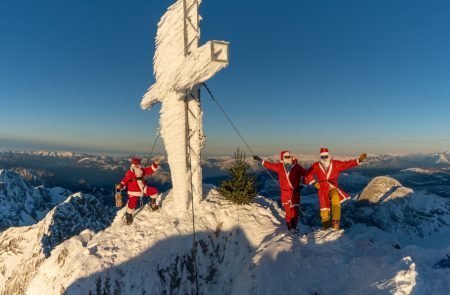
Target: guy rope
(239,134)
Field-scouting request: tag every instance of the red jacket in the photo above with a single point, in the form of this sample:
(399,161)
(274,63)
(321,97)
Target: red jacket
(289,181)
(328,179)
(131,181)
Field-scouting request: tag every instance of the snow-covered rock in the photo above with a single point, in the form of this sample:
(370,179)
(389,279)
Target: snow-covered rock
(383,189)
(22,204)
(23,249)
(388,205)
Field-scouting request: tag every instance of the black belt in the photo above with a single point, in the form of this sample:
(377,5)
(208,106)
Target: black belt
(136,179)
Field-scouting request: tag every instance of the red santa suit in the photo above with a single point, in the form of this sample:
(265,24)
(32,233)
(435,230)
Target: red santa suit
(328,179)
(135,183)
(289,184)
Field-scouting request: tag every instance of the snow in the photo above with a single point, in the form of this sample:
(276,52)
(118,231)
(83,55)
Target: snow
(21,204)
(178,78)
(241,250)
(23,249)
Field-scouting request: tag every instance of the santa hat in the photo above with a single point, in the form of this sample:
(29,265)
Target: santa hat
(136,161)
(324,152)
(284,153)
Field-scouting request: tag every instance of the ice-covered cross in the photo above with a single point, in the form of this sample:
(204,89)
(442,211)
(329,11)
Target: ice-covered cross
(180,66)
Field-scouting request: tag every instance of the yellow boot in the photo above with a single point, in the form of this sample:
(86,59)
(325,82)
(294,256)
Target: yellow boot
(325,216)
(335,208)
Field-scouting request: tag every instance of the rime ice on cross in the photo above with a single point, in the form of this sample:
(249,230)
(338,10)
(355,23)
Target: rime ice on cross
(180,66)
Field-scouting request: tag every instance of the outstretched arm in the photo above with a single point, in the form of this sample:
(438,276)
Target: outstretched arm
(269,165)
(152,169)
(344,165)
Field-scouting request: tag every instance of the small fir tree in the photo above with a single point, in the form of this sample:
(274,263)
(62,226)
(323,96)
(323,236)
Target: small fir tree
(240,188)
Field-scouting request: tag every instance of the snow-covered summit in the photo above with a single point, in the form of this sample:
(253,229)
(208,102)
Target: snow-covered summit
(239,250)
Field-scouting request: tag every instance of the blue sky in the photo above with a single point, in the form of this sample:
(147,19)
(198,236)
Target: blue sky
(352,75)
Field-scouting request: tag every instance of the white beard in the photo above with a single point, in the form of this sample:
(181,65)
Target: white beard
(325,163)
(138,172)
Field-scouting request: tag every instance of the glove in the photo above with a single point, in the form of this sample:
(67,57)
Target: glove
(158,160)
(256,158)
(316,185)
(362,157)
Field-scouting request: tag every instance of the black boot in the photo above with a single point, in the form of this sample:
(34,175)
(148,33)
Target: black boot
(129,218)
(294,225)
(153,204)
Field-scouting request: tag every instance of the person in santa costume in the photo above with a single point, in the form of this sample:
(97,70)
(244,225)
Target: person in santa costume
(137,188)
(289,175)
(324,176)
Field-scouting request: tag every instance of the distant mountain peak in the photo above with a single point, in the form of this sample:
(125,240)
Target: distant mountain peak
(442,159)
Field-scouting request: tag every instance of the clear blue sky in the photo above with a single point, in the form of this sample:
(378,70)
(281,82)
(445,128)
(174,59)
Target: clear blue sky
(352,75)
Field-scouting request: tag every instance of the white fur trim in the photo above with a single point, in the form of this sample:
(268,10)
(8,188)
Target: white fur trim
(344,197)
(323,169)
(135,194)
(312,182)
(263,161)
(330,168)
(153,167)
(287,176)
(290,204)
(325,209)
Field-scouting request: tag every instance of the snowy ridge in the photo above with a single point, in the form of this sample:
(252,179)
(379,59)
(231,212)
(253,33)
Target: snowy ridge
(33,176)
(22,204)
(420,170)
(160,245)
(433,160)
(240,250)
(23,249)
